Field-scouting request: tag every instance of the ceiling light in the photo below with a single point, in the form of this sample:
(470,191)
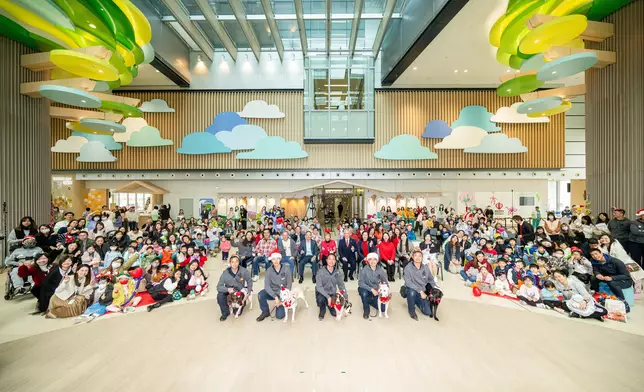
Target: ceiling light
(83,101)
(415,68)
(456,71)
(292,29)
(157,70)
(199,60)
(465,71)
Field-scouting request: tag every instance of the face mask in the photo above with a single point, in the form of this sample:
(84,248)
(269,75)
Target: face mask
(113,249)
(104,218)
(96,219)
(116,265)
(155,264)
(44,231)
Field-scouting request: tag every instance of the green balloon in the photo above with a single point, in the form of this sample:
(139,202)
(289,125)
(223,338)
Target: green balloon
(516,62)
(138,54)
(134,70)
(115,20)
(86,20)
(603,8)
(14,31)
(519,85)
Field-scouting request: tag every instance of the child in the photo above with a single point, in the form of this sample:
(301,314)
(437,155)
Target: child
(566,249)
(148,257)
(533,272)
(101,299)
(503,267)
(557,261)
(485,277)
(551,297)
(501,285)
(225,246)
(197,284)
(124,297)
(529,294)
(199,240)
(91,258)
(542,264)
(167,257)
(541,251)
(203,257)
(515,275)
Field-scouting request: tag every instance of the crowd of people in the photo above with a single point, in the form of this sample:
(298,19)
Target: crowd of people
(103,261)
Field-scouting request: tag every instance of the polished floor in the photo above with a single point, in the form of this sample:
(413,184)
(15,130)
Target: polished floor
(482,344)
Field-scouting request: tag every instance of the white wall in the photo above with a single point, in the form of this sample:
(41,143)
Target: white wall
(266,74)
(433,192)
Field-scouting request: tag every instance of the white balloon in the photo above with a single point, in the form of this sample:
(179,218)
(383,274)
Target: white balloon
(148,53)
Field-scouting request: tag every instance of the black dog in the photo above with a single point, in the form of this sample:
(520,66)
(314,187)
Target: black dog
(434,296)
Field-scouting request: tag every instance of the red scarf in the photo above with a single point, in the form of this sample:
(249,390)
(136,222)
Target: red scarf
(384,300)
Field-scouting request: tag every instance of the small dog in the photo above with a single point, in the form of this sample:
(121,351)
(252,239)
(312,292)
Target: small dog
(383,299)
(434,297)
(341,305)
(237,300)
(289,298)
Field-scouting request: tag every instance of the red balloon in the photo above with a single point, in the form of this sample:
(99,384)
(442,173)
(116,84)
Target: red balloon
(476,291)
(137,273)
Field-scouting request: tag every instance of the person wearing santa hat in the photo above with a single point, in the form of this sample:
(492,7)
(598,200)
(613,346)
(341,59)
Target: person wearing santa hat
(636,238)
(277,276)
(330,280)
(369,283)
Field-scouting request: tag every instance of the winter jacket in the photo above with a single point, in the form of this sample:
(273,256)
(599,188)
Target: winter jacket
(330,282)
(37,274)
(614,268)
(370,279)
(274,280)
(620,229)
(637,232)
(244,250)
(236,281)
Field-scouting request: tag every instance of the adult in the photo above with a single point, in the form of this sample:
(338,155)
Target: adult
(187,273)
(276,277)
(71,296)
(418,281)
(453,255)
(164,212)
(98,231)
(162,292)
(525,231)
(369,282)
(347,252)
(366,245)
(233,279)
(577,300)
(620,227)
(329,281)
(327,247)
(38,271)
(601,224)
(65,222)
(404,249)
(83,240)
(309,254)
(587,227)
(553,227)
(288,249)
(611,271)
(263,249)
(536,217)
(613,248)
(636,238)
(470,271)
(245,247)
(340,209)
(26,228)
(387,251)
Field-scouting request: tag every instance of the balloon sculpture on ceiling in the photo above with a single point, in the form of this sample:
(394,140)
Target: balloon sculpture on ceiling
(544,40)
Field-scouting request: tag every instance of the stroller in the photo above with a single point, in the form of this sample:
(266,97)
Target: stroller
(28,251)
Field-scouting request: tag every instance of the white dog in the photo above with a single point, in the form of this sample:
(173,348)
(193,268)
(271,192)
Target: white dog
(341,305)
(289,298)
(238,299)
(383,299)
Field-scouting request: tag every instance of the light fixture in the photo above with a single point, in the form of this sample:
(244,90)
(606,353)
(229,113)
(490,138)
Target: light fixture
(157,70)
(270,58)
(456,71)
(83,101)
(415,68)
(199,60)
(292,29)
(465,71)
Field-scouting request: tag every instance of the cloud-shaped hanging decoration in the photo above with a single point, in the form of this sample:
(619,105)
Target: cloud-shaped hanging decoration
(95,152)
(405,147)
(510,115)
(242,137)
(70,145)
(261,109)
(498,143)
(274,147)
(107,140)
(132,125)
(476,116)
(461,138)
(148,137)
(225,121)
(156,106)
(199,143)
(437,129)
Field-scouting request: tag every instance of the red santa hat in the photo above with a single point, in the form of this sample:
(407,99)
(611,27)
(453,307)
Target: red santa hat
(640,212)
(275,254)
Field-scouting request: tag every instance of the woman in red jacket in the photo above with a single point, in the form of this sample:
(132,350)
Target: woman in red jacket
(38,271)
(388,256)
(327,247)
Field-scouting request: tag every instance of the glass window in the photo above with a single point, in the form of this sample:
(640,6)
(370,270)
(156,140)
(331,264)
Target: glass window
(209,32)
(320,89)
(356,89)
(263,33)
(221,7)
(289,34)
(315,34)
(314,6)
(236,33)
(283,7)
(343,6)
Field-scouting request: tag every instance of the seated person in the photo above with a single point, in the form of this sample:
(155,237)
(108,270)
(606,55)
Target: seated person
(581,267)
(485,277)
(276,277)
(27,251)
(234,278)
(418,281)
(162,291)
(611,271)
(501,285)
(72,295)
(330,280)
(551,297)
(529,293)
(37,270)
(124,297)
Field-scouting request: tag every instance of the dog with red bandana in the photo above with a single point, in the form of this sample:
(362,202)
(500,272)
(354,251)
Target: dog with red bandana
(238,299)
(289,299)
(341,304)
(384,296)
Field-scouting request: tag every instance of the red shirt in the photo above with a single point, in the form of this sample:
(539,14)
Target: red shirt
(34,271)
(327,248)
(387,250)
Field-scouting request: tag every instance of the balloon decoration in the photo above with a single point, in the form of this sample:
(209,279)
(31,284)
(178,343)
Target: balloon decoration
(476,291)
(533,33)
(137,273)
(95,199)
(62,202)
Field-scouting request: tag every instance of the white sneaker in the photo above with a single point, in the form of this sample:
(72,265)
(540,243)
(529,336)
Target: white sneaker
(255,278)
(542,306)
(522,302)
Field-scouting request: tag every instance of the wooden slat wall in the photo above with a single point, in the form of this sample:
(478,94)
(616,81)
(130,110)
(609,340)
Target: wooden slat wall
(25,172)
(397,112)
(615,118)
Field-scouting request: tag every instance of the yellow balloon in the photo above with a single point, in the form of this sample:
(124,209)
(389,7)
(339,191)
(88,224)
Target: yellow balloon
(140,24)
(576,43)
(564,107)
(554,33)
(28,18)
(76,126)
(503,22)
(84,65)
(128,57)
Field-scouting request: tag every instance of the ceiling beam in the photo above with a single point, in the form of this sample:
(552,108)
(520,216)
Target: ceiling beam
(357,12)
(184,20)
(365,16)
(299,14)
(327,23)
(211,16)
(382,27)
(275,31)
(240,15)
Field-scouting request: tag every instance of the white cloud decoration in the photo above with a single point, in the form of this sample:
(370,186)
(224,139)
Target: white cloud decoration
(70,145)
(498,143)
(261,109)
(242,137)
(156,106)
(510,115)
(131,124)
(95,152)
(461,138)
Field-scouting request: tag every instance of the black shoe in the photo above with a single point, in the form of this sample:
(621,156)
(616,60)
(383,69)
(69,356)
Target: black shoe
(365,315)
(413,315)
(313,279)
(223,318)
(346,279)
(302,280)
(263,316)
(321,316)
(351,276)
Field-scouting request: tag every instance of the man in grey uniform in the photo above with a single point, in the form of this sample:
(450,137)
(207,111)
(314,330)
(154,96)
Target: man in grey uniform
(369,283)
(276,276)
(234,278)
(329,281)
(418,280)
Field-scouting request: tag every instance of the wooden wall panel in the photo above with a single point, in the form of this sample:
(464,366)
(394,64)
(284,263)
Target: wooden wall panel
(397,112)
(615,117)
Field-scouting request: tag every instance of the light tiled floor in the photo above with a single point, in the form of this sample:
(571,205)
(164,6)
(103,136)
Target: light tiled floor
(483,344)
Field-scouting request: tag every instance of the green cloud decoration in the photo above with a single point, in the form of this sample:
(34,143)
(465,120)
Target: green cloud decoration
(148,137)
(405,147)
(274,147)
